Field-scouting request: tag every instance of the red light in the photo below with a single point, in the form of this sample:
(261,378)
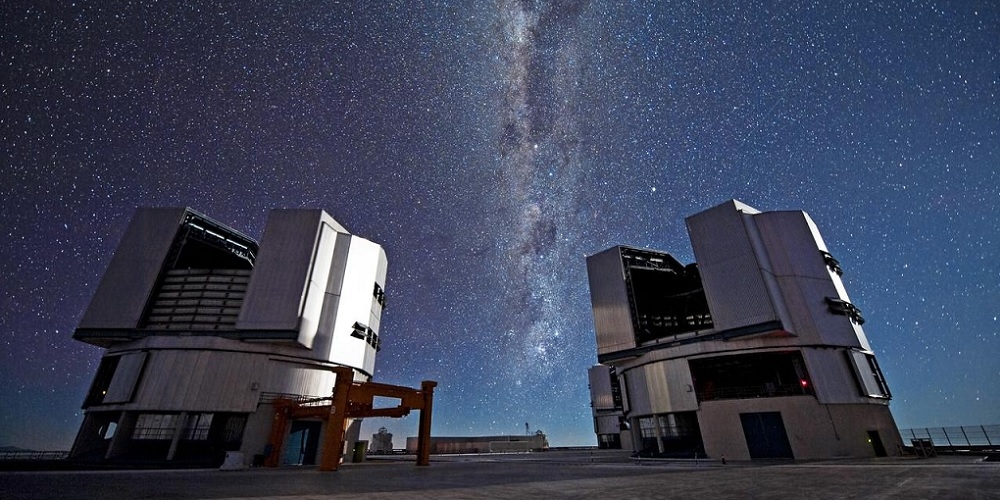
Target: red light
(804,382)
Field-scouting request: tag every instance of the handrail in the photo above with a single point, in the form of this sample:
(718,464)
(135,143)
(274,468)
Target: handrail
(33,455)
(960,438)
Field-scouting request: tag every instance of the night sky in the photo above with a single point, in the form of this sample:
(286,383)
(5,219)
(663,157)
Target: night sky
(489,147)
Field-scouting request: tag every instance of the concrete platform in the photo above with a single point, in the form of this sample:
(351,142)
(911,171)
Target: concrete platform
(550,475)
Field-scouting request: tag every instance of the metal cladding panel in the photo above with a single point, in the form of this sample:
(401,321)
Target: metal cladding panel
(601,397)
(319,277)
(730,270)
(794,246)
(277,288)
(331,298)
(791,244)
(670,387)
(198,380)
(376,307)
(126,376)
(365,266)
(866,376)
(607,424)
(833,329)
(837,283)
(609,299)
(636,392)
(292,378)
(831,375)
(121,296)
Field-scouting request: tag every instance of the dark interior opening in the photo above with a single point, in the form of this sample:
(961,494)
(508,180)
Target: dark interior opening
(203,243)
(102,381)
(671,435)
(758,375)
(203,280)
(667,297)
(196,253)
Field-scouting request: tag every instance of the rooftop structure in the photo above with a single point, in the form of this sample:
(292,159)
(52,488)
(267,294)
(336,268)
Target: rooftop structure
(205,328)
(754,351)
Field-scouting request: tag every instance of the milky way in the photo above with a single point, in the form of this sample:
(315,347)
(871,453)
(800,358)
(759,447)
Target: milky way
(489,147)
(539,158)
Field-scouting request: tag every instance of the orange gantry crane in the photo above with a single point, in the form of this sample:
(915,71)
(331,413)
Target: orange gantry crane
(352,400)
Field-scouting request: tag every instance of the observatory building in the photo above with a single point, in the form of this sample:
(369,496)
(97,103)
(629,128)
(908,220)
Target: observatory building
(755,351)
(204,328)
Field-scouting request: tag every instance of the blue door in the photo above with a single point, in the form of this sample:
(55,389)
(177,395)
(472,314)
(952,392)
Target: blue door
(765,434)
(303,441)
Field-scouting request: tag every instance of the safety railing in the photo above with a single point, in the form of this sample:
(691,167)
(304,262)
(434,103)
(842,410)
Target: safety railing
(956,439)
(33,455)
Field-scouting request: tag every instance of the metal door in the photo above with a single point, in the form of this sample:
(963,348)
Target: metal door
(765,434)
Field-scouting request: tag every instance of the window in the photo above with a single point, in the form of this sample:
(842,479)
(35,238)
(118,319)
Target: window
(671,435)
(155,426)
(197,426)
(232,432)
(161,426)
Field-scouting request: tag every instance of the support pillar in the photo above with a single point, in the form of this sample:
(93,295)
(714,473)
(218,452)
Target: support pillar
(659,433)
(333,441)
(123,434)
(178,430)
(89,437)
(424,434)
(279,425)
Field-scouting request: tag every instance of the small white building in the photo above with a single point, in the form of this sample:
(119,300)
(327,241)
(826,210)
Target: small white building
(754,352)
(204,327)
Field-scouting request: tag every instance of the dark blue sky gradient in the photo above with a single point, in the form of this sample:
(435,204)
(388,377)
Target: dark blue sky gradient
(489,147)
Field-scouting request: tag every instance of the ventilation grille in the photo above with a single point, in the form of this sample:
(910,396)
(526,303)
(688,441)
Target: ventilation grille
(199,299)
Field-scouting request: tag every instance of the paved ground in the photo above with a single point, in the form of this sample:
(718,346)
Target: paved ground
(551,475)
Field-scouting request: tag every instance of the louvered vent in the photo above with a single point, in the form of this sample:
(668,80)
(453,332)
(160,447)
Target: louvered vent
(198,299)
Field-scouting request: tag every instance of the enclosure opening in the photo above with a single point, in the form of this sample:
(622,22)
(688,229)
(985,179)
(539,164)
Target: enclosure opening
(758,375)
(667,298)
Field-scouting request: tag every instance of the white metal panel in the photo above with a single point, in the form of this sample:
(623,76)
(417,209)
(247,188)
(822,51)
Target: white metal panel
(122,386)
(838,284)
(295,378)
(609,299)
(237,377)
(866,376)
(607,424)
(793,244)
(834,329)
(241,395)
(121,296)
(355,305)
(207,392)
(730,272)
(670,386)
(832,376)
(316,286)
(173,378)
(276,292)
(638,396)
(601,397)
(331,300)
(799,313)
(189,380)
(151,383)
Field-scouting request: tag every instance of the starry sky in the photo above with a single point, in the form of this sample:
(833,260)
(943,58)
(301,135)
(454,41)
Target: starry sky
(489,147)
